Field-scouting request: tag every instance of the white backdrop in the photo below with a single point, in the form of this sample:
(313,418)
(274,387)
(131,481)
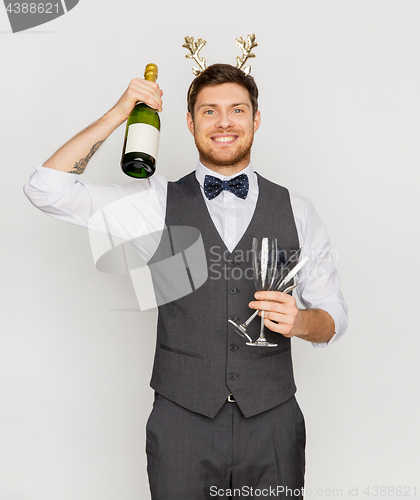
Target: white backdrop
(339,84)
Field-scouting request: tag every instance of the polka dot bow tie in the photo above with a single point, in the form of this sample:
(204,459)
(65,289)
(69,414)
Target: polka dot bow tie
(238,185)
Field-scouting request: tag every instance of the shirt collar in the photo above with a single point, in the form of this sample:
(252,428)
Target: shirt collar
(202,171)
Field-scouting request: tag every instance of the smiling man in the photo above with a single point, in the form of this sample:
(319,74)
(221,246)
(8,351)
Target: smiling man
(225,421)
(223,123)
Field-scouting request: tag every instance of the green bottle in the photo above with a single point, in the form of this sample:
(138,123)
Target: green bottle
(142,136)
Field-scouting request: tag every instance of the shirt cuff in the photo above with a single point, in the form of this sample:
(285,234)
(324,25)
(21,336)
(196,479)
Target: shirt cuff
(50,180)
(338,312)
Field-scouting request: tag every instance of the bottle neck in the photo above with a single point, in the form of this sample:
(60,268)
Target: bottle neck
(151,77)
(151,72)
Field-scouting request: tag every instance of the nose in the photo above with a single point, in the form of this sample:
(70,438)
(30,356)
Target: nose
(224,120)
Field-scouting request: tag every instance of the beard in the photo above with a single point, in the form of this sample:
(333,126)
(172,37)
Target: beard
(227,157)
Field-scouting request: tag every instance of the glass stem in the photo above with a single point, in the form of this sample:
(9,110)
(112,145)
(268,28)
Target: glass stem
(261,337)
(248,321)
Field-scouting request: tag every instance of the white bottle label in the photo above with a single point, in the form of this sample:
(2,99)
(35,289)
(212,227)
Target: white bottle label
(142,138)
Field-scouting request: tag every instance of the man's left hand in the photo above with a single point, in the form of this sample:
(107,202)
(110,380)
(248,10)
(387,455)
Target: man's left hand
(281,313)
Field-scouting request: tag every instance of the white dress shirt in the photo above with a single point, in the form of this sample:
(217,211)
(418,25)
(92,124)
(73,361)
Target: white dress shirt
(139,208)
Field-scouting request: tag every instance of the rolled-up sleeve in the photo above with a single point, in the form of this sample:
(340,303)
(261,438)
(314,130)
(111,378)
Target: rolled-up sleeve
(320,285)
(129,211)
(60,194)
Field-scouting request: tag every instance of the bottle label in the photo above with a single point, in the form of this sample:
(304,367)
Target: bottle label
(142,138)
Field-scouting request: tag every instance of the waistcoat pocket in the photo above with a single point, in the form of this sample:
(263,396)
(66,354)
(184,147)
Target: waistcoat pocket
(179,351)
(271,353)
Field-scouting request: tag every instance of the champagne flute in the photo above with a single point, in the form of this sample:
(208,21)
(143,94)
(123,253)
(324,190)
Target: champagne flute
(264,264)
(285,282)
(241,329)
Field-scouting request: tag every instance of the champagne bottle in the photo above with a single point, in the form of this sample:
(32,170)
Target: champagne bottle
(142,136)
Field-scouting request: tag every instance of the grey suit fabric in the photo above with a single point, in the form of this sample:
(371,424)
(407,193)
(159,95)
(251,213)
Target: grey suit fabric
(193,457)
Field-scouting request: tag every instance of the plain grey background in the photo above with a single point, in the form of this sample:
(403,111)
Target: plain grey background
(339,84)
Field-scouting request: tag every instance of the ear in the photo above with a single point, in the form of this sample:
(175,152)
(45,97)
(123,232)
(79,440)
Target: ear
(257,121)
(190,123)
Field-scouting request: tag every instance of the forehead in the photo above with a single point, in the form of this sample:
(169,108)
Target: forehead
(223,94)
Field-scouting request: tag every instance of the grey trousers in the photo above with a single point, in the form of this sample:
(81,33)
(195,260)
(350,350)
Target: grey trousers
(193,457)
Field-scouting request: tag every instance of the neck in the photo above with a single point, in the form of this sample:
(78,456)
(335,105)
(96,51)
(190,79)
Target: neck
(226,170)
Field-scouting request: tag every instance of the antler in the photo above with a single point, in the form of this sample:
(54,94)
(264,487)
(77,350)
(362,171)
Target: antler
(246,48)
(194,48)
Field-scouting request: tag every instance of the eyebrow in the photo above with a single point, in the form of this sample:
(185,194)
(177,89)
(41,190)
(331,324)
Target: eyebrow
(215,105)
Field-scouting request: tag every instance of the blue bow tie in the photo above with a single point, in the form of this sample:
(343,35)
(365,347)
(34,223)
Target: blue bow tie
(238,185)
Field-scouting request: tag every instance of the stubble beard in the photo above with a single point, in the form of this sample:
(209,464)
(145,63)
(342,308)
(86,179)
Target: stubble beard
(209,157)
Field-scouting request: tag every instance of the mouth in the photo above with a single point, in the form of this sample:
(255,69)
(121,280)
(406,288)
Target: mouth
(224,139)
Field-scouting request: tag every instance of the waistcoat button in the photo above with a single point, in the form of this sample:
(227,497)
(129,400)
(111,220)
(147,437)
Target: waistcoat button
(232,376)
(233,347)
(234,318)
(234,290)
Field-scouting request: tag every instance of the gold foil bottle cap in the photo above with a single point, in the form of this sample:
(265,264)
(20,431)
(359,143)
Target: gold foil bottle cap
(151,72)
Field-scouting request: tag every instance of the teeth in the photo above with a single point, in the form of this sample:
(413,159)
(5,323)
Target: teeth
(224,139)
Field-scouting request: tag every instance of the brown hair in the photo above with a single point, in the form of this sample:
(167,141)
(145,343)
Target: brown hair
(217,74)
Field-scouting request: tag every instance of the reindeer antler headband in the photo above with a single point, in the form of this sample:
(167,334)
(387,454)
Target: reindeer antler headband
(245,46)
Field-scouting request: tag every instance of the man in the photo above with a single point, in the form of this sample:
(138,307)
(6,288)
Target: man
(225,421)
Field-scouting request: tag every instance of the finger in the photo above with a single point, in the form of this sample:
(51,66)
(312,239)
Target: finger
(147,92)
(140,82)
(150,98)
(275,296)
(278,307)
(265,306)
(279,318)
(147,88)
(285,330)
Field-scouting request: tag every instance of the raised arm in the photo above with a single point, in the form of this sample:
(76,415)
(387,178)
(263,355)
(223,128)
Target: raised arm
(131,210)
(76,153)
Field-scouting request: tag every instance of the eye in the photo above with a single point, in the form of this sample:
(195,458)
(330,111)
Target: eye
(209,112)
(238,111)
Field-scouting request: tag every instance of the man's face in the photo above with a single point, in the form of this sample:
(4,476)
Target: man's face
(223,127)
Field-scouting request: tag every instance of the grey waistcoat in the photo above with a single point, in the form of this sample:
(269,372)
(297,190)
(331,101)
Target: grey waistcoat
(199,358)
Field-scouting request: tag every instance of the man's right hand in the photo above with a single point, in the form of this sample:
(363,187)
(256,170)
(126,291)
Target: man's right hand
(76,153)
(139,90)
